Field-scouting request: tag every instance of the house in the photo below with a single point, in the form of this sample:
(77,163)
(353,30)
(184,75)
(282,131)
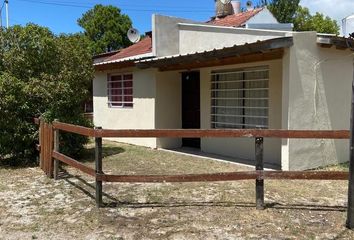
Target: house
(227,74)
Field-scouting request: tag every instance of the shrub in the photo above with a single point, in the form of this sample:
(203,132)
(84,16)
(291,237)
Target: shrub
(41,74)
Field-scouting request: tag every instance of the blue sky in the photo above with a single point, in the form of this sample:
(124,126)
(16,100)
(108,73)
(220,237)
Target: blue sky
(61,15)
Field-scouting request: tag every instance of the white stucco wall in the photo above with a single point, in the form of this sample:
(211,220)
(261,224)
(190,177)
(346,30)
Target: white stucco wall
(317,89)
(165,35)
(141,116)
(173,35)
(200,37)
(168,106)
(243,148)
(264,16)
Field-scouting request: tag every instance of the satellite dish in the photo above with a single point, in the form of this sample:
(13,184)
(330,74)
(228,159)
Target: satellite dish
(249,5)
(133,35)
(225,1)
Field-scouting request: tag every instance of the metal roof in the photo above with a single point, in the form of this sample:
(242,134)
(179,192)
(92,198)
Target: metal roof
(223,53)
(339,42)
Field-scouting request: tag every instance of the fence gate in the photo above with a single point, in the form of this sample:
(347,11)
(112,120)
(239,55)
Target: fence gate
(46,147)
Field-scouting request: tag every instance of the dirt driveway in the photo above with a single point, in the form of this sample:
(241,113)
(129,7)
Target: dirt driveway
(35,207)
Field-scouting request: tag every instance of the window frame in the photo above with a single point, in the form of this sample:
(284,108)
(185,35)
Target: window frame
(123,104)
(242,120)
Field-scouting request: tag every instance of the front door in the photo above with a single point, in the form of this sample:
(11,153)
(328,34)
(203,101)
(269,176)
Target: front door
(191,106)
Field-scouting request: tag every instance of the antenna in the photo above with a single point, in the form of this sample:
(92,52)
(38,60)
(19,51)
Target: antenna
(7,13)
(133,35)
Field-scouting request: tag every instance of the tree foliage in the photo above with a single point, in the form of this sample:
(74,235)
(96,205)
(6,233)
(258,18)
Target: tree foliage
(283,10)
(106,28)
(40,75)
(304,21)
(289,11)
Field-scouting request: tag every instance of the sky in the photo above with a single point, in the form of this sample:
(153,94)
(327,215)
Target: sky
(61,15)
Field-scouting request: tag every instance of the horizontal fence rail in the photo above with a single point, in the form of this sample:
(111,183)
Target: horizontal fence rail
(231,176)
(88,132)
(72,162)
(216,133)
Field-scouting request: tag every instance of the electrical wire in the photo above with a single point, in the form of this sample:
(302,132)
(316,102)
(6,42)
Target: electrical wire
(67,4)
(126,5)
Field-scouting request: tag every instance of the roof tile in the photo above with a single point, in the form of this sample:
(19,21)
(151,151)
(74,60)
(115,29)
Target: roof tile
(235,20)
(141,47)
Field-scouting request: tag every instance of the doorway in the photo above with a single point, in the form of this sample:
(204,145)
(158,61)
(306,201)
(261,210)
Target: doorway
(191,106)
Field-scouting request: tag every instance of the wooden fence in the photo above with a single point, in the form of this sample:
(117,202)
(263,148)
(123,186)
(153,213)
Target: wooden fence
(50,157)
(45,147)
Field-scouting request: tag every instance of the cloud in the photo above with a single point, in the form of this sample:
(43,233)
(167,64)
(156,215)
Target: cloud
(336,9)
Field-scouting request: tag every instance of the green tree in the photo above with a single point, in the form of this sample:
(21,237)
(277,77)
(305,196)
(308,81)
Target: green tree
(304,21)
(106,28)
(284,10)
(40,75)
(289,11)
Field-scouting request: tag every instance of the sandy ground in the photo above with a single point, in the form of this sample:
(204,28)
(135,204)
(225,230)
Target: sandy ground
(35,207)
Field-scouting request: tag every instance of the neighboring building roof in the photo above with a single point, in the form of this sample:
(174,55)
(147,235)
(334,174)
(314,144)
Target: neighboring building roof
(142,47)
(103,56)
(235,20)
(106,54)
(126,57)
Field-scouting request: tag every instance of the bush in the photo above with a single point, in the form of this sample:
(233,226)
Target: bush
(40,75)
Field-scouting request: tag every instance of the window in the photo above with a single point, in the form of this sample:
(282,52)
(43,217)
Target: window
(239,98)
(120,90)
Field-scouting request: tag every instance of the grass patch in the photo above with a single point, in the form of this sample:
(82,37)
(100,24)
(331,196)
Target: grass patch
(120,158)
(336,167)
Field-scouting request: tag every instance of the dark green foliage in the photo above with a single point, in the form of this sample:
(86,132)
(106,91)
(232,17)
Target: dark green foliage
(17,133)
(106,28)
(304,21)
(284,10)
(289,11)
(40,75)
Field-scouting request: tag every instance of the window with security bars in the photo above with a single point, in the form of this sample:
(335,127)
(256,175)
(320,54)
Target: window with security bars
(239,98)
(120,90)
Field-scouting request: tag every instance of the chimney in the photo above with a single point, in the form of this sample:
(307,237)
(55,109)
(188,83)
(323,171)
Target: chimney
(236,5)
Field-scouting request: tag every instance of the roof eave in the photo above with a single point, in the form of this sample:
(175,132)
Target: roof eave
(237,51)
(122,63)
(340,43)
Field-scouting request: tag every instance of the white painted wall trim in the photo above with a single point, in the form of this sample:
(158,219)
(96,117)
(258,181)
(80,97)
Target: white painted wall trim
(201,27)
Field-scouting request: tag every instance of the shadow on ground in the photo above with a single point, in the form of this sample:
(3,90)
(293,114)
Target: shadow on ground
(88,154)
(114,202)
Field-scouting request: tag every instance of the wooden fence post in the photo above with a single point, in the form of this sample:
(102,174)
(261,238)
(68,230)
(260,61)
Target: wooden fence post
(56,148)
(259,166)
(40,133)
(350,210)
(98,161)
